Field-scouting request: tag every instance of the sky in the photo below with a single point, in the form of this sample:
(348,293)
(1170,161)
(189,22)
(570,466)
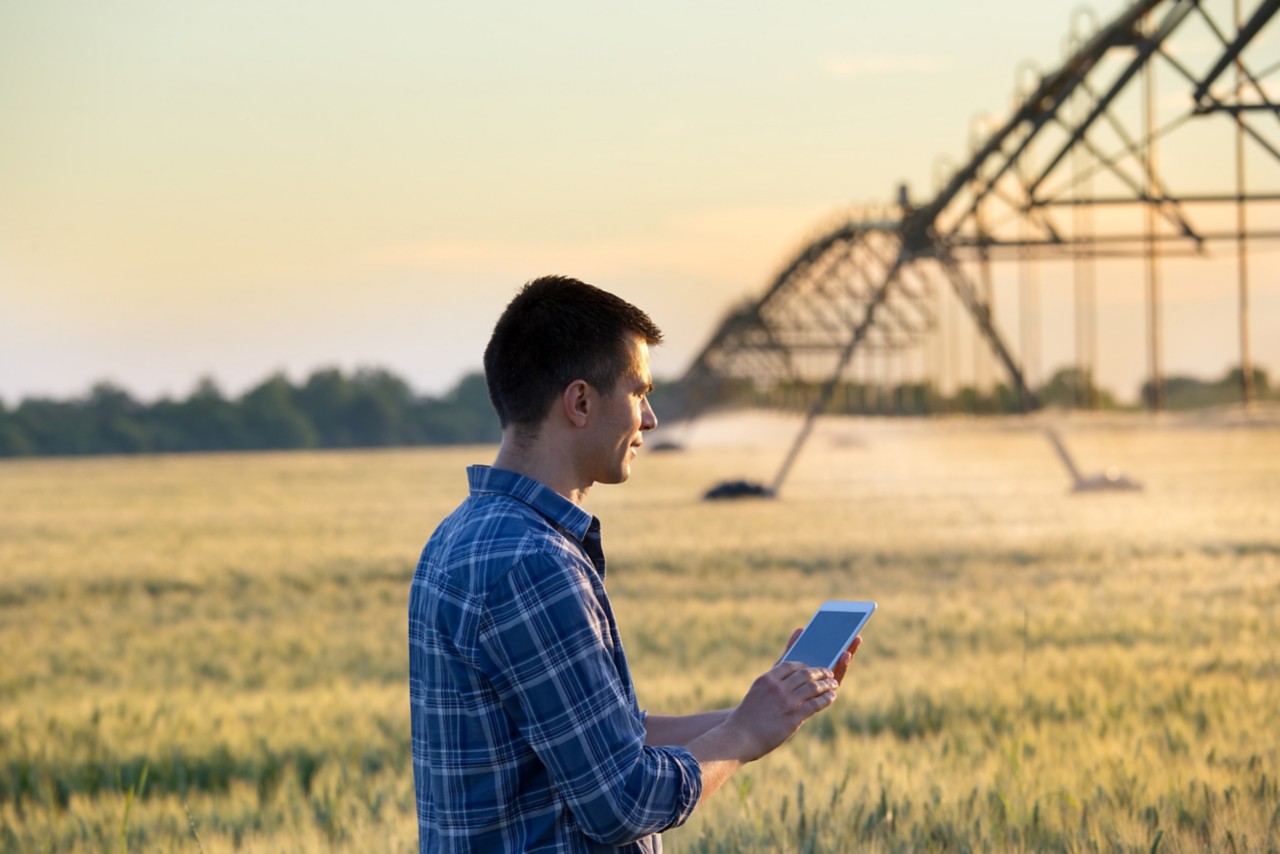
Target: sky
(234,189)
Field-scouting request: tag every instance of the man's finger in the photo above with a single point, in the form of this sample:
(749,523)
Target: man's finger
(790,643)
(806,676)
(842,664)
(818,703)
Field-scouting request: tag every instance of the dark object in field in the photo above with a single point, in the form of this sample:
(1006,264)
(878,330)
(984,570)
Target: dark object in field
(1110,480)
(668,446)
(737,489)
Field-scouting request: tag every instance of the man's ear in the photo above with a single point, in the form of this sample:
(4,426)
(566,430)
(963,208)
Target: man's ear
(577,401)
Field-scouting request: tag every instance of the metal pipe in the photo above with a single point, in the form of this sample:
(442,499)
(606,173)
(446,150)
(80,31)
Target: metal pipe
(1248,393)
(981,364)
(1156,401)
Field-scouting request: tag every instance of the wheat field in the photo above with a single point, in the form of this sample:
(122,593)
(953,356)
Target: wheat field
(207,653)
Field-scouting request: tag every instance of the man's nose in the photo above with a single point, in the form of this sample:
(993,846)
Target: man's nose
(648,420)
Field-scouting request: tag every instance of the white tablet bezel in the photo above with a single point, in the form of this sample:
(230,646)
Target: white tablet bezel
(839,606)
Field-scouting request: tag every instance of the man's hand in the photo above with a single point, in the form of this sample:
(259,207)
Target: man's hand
(775,707)
(842,663)
(778,703)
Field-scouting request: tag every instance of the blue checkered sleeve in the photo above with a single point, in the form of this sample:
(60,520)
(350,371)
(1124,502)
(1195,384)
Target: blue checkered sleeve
(550,651)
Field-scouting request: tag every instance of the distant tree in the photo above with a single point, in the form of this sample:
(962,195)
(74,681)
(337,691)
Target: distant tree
(967,399)
(114,419)
(373,408)
(378,411)
(1184,392)
(1261,382)
(272,420)
(472,394)
(1007,400)
(205,421)
(909,398)
(1071,387)
(325,398)
(13,442)
(55,427)
(463,416)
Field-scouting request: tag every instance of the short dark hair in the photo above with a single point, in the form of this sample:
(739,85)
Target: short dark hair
(555,331)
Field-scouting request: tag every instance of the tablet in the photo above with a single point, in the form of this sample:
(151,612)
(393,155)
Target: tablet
(830,632)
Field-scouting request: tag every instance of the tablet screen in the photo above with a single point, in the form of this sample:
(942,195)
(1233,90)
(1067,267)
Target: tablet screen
(826,636)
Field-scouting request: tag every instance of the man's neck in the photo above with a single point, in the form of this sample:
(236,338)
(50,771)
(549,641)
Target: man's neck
(549,466)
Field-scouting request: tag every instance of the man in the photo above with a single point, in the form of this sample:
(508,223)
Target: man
(526,730)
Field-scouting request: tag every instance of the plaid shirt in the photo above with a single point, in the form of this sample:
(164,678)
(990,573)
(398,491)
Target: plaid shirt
(526,730)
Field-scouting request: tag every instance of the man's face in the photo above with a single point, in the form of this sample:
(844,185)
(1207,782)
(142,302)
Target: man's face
(622,417)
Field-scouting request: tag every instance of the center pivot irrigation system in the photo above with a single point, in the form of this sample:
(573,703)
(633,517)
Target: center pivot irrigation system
(1102,163)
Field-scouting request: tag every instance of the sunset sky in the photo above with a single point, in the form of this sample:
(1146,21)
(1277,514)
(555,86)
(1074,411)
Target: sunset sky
(231,189)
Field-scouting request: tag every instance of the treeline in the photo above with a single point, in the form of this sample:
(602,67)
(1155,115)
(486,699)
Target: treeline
(1068,388)
(364,409)
(1190,393)
(375,408)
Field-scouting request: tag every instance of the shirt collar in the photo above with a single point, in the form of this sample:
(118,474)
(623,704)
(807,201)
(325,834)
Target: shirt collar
(548,502)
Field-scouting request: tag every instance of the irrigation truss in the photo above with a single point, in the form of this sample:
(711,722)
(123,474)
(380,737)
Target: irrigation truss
(1100,162)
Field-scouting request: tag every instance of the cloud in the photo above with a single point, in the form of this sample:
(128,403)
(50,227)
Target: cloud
(871,66)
